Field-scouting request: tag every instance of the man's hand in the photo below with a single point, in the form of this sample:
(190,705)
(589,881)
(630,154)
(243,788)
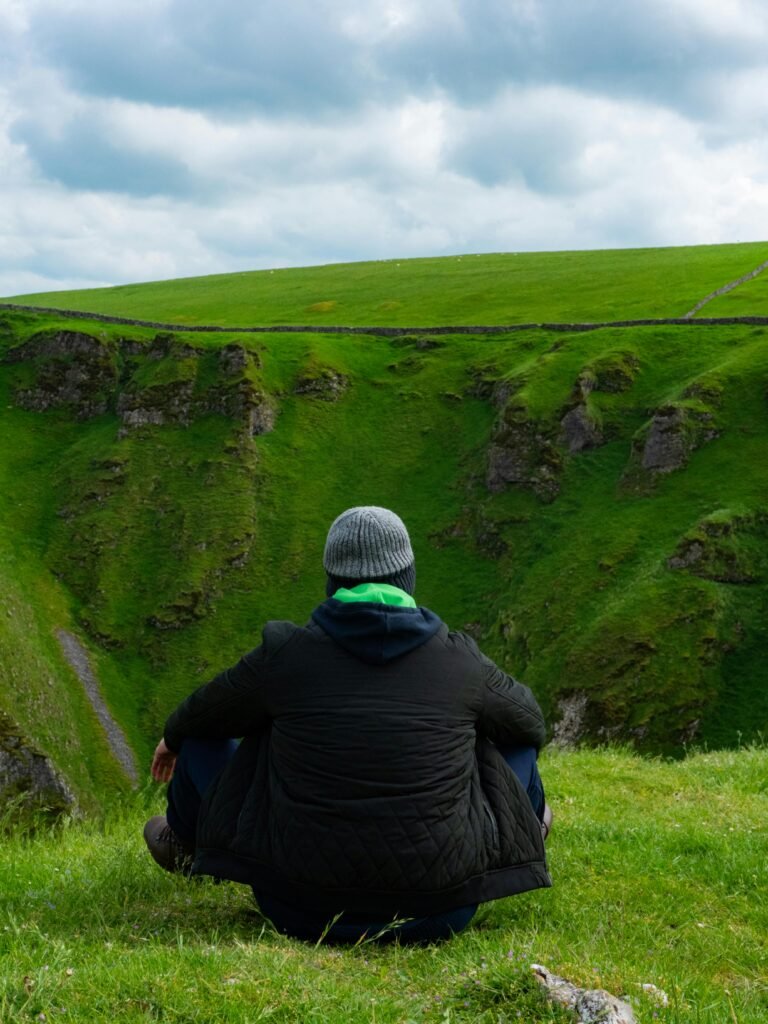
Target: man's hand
(163,763)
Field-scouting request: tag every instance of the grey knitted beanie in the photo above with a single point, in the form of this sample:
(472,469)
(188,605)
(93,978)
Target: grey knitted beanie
(367,543)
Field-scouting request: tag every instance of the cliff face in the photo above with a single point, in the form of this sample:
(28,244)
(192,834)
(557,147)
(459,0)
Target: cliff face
(162,382)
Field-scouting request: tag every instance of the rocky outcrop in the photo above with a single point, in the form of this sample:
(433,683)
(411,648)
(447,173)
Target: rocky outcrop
(666,446)
(491,385)
(239,397)
(147,385)
(726,547)
(71,370)
(188,607)
(321,382)
(580,425)
(571,725)
(55,344)
(156,405)
(613,372)
(675,431)
(580,430)
(522,452)
(28,779)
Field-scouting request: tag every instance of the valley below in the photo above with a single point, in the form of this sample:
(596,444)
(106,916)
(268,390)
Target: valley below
(591,505)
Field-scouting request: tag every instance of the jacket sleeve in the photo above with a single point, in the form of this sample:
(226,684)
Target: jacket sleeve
(230,705)
(509,714)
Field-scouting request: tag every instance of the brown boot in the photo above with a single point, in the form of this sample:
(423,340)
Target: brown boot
(166,848)
(546,821)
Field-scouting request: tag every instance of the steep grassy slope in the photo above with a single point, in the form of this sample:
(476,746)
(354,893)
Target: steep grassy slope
(592,506)
(42,704)
(498,289)
(660,878)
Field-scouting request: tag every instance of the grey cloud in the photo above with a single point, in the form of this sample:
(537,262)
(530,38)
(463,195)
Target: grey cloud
(230,56)
(638,48)
(299,56)
(532,147)
(81,155)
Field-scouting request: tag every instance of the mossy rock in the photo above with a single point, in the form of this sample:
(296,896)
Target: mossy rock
(523,452)
(614,372)
(665,444)
(708,389)
(321,381)
(67,370)
(726,547)
(30,787)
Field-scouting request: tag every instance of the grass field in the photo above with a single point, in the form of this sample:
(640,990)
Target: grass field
(166,547)
(753,295)
(659,878)
(506,288)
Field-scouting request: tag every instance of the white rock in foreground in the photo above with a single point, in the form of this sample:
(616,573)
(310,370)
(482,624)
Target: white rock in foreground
(593,1006)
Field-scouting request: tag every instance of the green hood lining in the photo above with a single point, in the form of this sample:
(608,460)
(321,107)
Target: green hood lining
(375,593)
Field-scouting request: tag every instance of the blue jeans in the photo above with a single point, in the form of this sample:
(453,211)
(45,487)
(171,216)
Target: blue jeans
(199,763)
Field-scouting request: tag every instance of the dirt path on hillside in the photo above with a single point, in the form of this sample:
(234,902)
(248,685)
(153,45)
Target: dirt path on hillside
(77,656)
(727,288)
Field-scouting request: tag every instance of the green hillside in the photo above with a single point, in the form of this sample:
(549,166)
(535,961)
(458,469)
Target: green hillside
(592,506)
(505,288)
(752,295)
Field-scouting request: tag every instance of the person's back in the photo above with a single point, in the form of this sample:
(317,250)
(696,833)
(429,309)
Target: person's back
(371,778)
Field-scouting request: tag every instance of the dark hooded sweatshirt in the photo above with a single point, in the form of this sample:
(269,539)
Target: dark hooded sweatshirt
(368,779)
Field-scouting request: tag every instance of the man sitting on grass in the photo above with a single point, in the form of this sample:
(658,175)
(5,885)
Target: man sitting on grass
(386,782)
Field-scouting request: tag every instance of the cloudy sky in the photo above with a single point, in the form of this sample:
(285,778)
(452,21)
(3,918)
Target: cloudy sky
(149,139)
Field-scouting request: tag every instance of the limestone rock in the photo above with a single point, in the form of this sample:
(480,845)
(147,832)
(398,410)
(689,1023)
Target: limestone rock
(522,453)
(260,418)
(72,369)
(570,727)
(166,344)
(590,1006)
(234,359)
(488,384)
(147,385)
(666,446)
(674,433)
(579,430)
(324,383)
(156,405)
(189,606)
(244,402)
(28,777)
(55,343)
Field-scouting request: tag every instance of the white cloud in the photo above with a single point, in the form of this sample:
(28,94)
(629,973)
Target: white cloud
(737,19)
(246,139)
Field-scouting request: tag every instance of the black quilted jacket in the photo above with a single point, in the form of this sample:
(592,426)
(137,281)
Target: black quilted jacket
(368,779)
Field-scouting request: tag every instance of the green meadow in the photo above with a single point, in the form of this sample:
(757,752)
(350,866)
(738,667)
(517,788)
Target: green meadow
(659,875)
(503,288)
(591,506)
